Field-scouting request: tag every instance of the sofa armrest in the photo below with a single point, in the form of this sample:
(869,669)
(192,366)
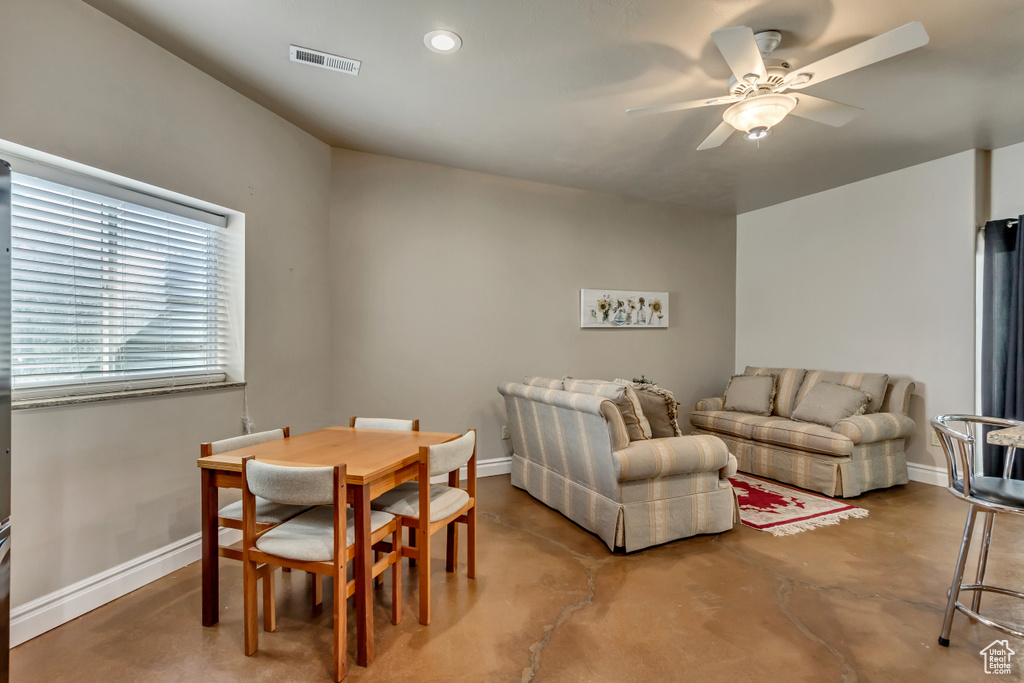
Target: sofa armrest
(716,403)
(731,468)
(652,458)
(875,427)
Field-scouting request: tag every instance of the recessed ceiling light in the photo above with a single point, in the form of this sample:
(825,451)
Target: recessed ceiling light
(442,41)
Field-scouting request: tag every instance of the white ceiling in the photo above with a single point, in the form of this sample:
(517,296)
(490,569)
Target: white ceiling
(540,88)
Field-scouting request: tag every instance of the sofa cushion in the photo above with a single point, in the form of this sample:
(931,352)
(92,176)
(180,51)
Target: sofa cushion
(805,436)
(827,403)
(751,394)
(544,382)
(659,406)
(786,388)
(871,383)
(624,398)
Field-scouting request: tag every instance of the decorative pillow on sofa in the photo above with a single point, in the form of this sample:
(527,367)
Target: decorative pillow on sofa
(544,382)
(827,403)
(751,394)
(871,383)
(786,388)
(660,409)
(624,398)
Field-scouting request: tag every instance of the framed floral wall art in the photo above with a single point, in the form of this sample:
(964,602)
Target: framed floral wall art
(617,308)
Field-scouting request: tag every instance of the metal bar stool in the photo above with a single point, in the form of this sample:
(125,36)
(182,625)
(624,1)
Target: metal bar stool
(986,496)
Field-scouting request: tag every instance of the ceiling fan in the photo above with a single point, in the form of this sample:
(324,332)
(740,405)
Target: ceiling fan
(758,87)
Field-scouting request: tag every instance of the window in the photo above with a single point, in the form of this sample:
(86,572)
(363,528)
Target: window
(110,294)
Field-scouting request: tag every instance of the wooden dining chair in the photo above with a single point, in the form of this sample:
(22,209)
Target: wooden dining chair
(384,423)
(268,514)
(395,425)
(428,508)
(320,541)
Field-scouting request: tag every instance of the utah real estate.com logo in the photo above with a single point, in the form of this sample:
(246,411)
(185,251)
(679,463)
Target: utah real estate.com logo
(997,657)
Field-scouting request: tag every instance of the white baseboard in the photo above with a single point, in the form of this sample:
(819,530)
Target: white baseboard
(50,611)
(484,468)
(927,474)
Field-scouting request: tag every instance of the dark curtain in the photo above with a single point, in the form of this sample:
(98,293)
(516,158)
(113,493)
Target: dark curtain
(1002,335)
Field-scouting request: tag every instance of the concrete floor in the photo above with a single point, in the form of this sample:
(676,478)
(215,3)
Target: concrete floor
(860,601)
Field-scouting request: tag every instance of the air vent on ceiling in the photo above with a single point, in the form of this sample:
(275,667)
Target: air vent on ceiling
(325,60)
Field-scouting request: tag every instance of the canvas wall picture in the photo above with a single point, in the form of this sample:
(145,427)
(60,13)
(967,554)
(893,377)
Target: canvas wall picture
(613,308)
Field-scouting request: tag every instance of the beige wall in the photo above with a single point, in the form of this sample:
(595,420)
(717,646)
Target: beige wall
(876,276)
(1007,182)
(97,485)
(445,283)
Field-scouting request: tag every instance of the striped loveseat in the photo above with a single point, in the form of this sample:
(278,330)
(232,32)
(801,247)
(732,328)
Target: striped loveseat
(572,452)
(857,454)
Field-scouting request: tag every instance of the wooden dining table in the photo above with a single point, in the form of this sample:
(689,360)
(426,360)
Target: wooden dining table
(376,461)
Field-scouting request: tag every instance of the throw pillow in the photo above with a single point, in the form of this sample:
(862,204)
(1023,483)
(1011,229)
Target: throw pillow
(753,394)
(790,380)
(624,398)
(660,409)
(871,383)
(827,403)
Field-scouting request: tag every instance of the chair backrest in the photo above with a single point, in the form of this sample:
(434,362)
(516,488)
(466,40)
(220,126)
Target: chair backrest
(384,423)
(959,446)
(290,485)
(244,441)
(450,456)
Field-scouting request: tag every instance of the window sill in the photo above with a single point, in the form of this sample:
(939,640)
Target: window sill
(25,404)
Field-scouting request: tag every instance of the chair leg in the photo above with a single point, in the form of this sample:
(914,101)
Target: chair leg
(379,580)
(269,606)
(423,543)
(250,614)
(471,543)
(986,541)
(318,590)
(340,626)
(958,576)
(451,551)
(396,576)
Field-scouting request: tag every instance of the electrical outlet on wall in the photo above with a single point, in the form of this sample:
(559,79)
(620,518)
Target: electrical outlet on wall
(935,438)
(504,432)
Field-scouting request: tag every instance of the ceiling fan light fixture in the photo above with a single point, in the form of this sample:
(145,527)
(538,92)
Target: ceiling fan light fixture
(442,41)
(758,133)
(759,114)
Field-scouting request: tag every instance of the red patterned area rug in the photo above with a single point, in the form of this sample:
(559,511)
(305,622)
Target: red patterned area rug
(782,511)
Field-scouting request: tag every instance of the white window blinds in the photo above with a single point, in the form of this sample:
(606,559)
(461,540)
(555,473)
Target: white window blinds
(109,295)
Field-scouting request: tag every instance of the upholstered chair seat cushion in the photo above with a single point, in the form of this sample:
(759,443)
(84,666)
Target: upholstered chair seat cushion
(996,489)
(404,500)
(267,511)
(310,536)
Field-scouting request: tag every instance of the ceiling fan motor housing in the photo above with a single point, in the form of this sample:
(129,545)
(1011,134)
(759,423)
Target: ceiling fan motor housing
(776,70)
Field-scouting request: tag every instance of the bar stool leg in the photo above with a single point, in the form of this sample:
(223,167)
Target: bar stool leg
(958,576)
(986,541)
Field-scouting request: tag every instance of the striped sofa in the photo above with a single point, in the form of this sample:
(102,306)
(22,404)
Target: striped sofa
(858,454)
(572,452)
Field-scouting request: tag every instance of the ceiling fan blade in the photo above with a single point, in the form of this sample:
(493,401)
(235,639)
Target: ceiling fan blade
(825,111)
(676,106)
(895,42)
(717,137)
(740,50)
